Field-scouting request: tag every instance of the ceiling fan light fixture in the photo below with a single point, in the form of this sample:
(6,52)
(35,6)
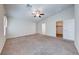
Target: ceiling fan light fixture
(37,13)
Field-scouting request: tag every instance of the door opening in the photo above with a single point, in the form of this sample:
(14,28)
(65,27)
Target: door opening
(59,29)
(5,25)
(43,28)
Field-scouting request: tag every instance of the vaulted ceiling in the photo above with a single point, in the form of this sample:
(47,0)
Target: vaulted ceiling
(22,11)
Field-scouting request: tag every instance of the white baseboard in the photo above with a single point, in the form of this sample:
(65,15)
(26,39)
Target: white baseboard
(2,43)
(21,35)
(77,47)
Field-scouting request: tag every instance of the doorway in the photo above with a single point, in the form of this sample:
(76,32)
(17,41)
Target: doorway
(43,28)
(5,25)
(59,29)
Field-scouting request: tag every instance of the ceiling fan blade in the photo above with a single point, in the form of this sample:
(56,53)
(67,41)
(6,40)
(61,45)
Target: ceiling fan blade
(34,16)
(41,14)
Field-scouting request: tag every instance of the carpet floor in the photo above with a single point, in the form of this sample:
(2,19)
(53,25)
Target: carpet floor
(38,44)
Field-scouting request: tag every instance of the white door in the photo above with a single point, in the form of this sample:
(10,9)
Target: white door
(43,28)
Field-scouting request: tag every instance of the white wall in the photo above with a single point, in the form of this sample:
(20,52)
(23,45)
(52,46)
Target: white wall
(77,26)
(69,29)
(2,38)
(67,15)
(20,27)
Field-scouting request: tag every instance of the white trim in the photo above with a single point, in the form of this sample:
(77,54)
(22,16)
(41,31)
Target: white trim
(2,44)
(21,35)
(77,47)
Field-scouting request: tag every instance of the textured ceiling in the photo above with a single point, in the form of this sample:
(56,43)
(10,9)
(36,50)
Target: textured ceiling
(22,11)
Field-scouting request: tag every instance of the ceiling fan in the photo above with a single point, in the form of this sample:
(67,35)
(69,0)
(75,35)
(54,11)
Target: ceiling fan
(37,13)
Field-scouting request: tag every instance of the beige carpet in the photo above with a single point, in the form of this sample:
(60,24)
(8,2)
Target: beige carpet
(38,44)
